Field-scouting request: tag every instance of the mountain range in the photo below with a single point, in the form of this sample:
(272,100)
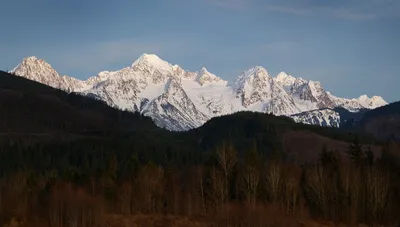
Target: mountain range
(179,100)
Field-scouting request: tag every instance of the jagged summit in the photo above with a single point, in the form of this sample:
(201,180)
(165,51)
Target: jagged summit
(32,61)
(204,70)
(204,77)
(38,70)
(31,58)
(152,66)
(367,102)
(289,81)
(246,78)
(150,59)
(257,71)
(178,99)
(285,78)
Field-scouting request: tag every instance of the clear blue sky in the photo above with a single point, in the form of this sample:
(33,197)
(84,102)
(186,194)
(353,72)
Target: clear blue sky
(351,46)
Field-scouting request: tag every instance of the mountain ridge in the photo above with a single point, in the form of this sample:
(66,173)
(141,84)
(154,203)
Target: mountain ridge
(194,97)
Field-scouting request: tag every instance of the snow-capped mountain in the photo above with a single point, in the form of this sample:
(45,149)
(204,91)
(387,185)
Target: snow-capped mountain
(363,102)
(322,117)
(38,70)
(259,91)
(178,99)
(310,94)
(174,109)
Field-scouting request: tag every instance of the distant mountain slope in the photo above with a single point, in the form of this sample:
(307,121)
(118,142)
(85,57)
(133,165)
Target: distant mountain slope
(349,119)
(179,100)
(383,122)
(31,107)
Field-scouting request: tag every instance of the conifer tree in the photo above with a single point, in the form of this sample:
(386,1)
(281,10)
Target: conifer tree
(369,156)
(112,168)
(355,152)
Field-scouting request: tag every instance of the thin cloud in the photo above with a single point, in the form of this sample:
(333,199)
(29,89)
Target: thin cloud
(232,4)
(354,10)
(339,13)
(287,9)
(354,16)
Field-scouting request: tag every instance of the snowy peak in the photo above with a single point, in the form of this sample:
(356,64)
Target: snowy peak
(260,92)
(38,70)
(371,103)
(363,102)
(34,60)
(257,72)
(378,100)
(205,77)
(203,70)
(152,66)
(102,76)
(151,59)
(33,66)
(285,79)
(282,76)
(248,77)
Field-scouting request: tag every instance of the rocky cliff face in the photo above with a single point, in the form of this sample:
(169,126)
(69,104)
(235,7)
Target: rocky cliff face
(322,117)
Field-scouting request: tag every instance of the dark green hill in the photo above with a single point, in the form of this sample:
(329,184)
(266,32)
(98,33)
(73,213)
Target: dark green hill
(33,108)
(349,119)
(383,122)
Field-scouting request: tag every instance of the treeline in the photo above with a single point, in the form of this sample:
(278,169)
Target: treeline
(229,188)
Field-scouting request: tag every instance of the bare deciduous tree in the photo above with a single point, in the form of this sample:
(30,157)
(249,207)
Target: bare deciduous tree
(125,198)
(226,156)
(200,176)
(2,185)
(18,194)
(291,193)
(71,207)
(151,182)
(273,181)
(174,191)
(377,186)
(218,189)
(249,182)
(315,188)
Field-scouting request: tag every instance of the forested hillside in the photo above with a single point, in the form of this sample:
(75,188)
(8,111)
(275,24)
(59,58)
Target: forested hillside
(31,107)
(68,160)
(383,122)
